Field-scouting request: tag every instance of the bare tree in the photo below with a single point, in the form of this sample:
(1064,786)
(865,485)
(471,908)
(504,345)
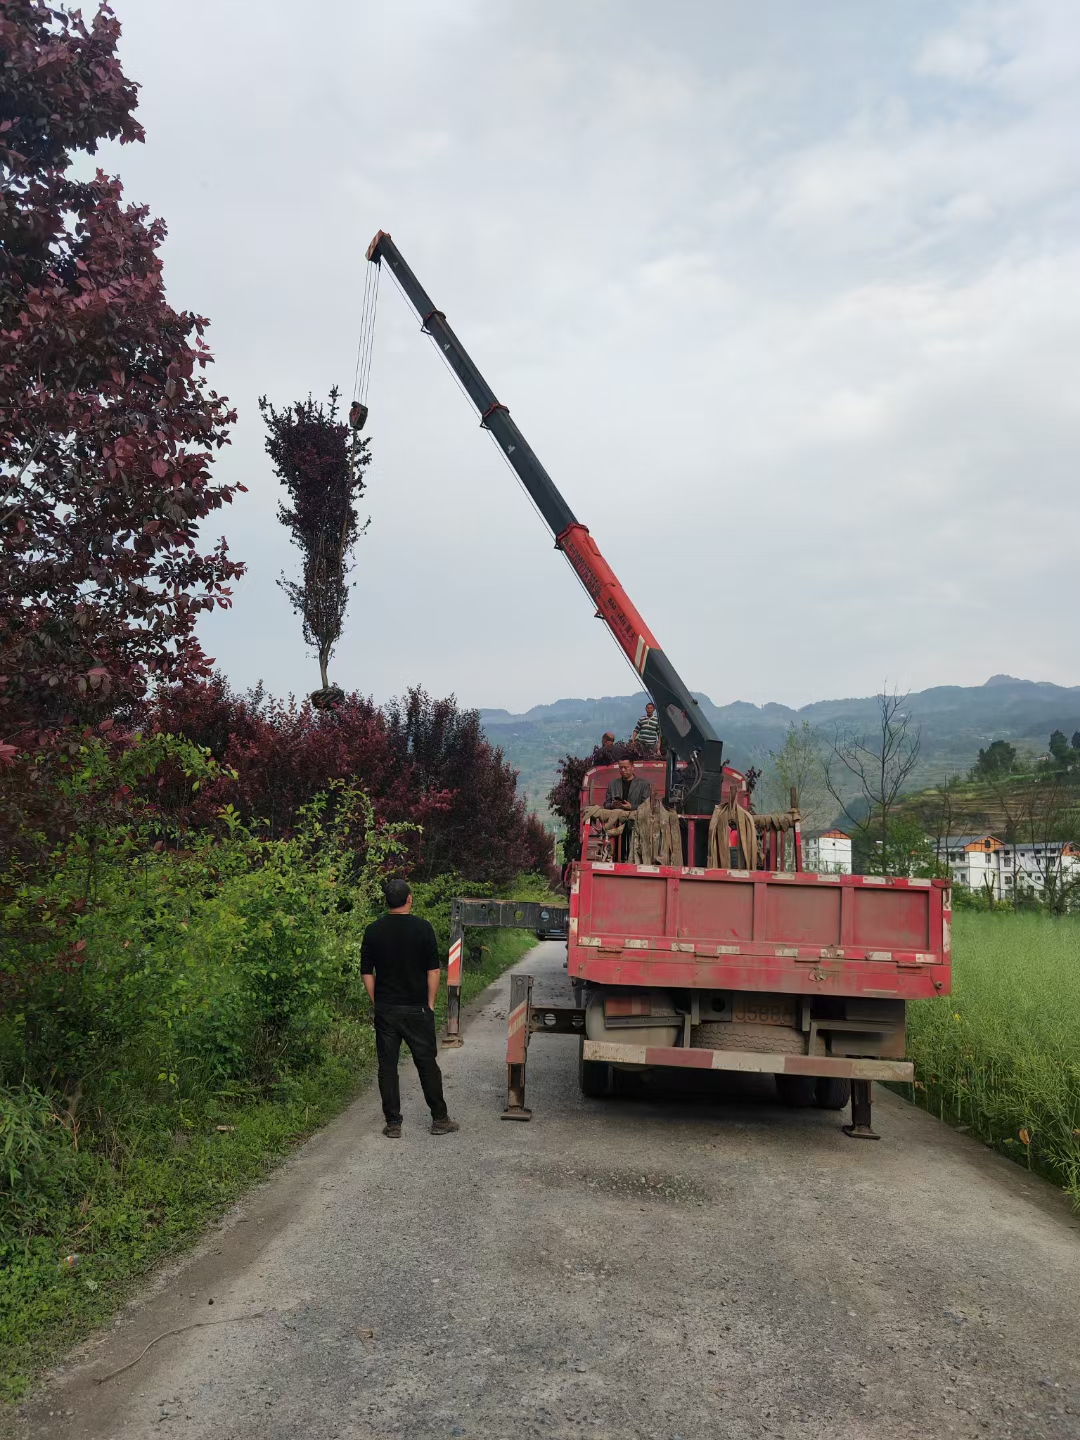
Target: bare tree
(879,763)
(1036,810)
(940,811)
(1047,814)
(799,765)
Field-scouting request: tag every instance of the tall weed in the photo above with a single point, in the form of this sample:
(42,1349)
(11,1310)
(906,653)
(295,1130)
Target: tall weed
(1002,1056)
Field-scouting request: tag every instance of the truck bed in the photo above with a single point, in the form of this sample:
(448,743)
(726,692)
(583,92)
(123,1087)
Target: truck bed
(791,933)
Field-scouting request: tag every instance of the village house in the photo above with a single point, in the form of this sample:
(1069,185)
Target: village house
(1003,869)
(828,853)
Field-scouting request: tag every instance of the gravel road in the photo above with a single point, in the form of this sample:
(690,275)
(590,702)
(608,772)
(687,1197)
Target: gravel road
(671,1267)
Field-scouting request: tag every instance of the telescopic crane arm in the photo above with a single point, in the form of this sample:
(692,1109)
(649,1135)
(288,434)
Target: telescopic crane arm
(688,733)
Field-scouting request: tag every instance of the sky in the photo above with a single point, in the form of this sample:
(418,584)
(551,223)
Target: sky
(786,297)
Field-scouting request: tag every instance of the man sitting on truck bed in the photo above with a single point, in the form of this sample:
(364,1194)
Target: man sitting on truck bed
(626,792)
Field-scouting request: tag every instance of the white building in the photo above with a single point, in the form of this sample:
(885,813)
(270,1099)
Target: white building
(985,862)
(828,854)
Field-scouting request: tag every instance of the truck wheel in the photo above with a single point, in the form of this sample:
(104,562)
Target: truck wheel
(594,1076)
(795,1090)
(831,1093)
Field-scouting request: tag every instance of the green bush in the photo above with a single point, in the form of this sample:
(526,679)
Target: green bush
(35,1158)
(177,1010)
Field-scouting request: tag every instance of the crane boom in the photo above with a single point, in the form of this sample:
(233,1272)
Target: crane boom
(686,730)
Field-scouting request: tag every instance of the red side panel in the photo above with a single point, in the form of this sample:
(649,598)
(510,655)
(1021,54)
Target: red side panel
(716,915)
(890,919)
(794,933)
(803,915)
(638,909)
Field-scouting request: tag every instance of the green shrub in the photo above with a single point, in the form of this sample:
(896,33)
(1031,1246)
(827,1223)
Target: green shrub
(172,972)
(35,1159)
(175,1011)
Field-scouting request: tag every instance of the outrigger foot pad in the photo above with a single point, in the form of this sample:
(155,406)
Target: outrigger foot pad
(452,1042)
(516,1112)
(860,1127)
(860,1132)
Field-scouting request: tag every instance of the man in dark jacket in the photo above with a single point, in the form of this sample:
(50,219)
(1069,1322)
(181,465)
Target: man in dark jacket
(399,961)
(625,792)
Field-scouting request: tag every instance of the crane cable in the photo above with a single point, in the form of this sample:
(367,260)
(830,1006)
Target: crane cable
(366,344)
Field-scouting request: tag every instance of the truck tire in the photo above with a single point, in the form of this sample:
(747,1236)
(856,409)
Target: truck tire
(795,1090)
(594,1076)
(831,1093)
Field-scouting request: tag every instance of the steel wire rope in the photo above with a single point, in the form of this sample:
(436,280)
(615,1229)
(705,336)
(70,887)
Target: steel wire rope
(363,331)
(365,372)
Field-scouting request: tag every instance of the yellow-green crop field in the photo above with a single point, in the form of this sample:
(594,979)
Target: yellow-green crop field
(1001,1057)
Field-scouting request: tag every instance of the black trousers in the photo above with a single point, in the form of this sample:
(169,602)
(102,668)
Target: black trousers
(415,1024)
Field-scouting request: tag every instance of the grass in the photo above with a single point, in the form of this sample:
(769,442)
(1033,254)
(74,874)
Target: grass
(1001,1057)
(153,1188)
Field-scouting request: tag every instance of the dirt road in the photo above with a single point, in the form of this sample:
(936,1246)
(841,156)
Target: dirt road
(623,1268)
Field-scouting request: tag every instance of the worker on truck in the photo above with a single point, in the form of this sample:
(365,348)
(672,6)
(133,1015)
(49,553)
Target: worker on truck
(647,730)
(626,792)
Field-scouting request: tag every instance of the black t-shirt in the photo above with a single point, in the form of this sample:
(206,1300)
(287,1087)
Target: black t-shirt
(399,950)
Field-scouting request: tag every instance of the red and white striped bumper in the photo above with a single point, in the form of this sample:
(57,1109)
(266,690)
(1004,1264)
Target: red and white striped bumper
(749,1061)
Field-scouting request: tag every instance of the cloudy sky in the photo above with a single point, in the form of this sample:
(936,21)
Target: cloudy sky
(786,296)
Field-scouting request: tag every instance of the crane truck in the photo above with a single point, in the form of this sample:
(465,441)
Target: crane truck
(726,957)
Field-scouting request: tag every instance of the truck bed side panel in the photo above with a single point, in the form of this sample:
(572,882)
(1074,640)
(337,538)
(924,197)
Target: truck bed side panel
(805,933)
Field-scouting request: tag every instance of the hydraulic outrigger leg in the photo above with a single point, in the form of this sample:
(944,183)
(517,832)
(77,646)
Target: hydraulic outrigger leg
(517,1047)
(525,1020)
(452,1038)
(860,1127)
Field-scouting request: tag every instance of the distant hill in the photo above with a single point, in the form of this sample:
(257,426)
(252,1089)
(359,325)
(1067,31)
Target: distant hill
(956,722)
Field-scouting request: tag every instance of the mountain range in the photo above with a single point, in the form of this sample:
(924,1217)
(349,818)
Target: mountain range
(956,721)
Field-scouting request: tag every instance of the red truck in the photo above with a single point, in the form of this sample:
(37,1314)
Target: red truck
(751,966)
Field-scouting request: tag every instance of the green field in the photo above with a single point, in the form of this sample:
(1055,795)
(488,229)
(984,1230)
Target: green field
(1001,1058)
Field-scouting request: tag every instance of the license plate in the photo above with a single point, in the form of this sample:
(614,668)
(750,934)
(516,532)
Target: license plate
(758,1010)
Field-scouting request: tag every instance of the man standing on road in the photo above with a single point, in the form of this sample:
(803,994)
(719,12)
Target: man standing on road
(647,730)
(399,960)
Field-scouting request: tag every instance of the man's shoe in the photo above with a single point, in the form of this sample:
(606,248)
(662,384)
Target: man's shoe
(444,1127)
(392,1132)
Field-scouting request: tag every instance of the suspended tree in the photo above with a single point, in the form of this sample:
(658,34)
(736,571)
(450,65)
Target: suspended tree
(107,428)
(321,461)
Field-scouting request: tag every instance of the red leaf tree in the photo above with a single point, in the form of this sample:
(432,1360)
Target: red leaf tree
(321,463)
(484,831)
(418,759)
(107,426)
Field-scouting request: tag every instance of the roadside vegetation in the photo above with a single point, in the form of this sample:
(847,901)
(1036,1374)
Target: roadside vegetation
(179,1008)
(185,872)
(1001,1057)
